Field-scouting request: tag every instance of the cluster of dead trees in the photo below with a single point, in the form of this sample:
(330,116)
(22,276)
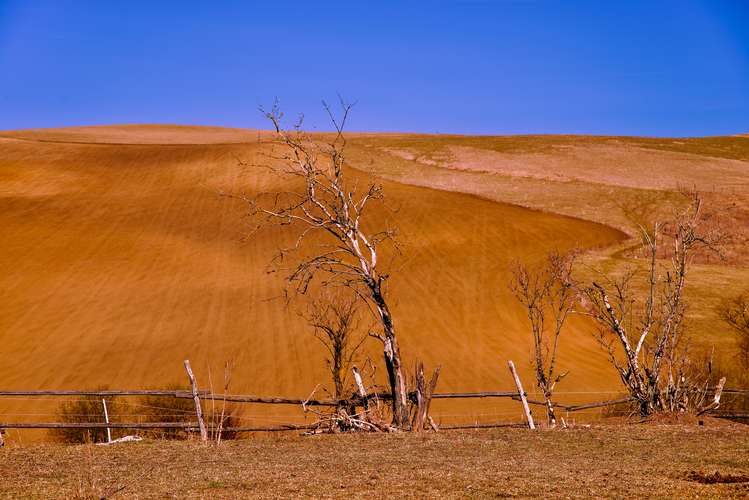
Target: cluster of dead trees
(640,315)
(647,327)
(336,257)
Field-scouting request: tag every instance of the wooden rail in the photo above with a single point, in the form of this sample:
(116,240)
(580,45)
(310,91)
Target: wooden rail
(98,425)
(241,398)
(356,399)
(177,394)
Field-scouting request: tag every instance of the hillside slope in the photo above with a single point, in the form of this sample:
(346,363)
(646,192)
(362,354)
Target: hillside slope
(624,182)
(121,260)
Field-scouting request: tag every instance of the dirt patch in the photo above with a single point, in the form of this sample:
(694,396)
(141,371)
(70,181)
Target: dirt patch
(717,477)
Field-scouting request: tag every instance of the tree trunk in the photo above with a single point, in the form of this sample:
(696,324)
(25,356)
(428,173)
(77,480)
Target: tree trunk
(337,377)
(550,410)
(392,361)
(397,385)
(424,393)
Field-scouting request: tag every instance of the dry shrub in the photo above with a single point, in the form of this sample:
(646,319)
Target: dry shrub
(88,409)
(735,313)
(224,421)
(335,318)
(168,409)
(626,409)
(152,409)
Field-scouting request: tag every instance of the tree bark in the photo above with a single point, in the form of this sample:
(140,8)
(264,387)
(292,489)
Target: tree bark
(392,361)
(361,391)
(418,422)
(424,393)
(550,410)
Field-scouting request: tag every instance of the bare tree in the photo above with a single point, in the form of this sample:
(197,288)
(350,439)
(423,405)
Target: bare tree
(644,332)
(736,313)
(548,292)
(347,251)
(335,320)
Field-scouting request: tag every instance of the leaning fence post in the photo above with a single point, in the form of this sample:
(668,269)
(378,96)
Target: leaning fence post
(106,419)
(716,399)
(196,398)
(360,388)
(521,392)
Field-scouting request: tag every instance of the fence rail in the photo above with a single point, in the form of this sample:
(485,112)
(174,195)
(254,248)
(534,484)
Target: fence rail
(246,398)
(354,400)
(176,393)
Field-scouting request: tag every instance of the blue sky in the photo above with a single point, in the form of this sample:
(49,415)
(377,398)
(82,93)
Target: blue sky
(676,68)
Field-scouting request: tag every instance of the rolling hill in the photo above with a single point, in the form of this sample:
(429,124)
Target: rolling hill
(121,258)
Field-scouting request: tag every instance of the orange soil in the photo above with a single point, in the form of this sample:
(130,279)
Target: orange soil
(121,260)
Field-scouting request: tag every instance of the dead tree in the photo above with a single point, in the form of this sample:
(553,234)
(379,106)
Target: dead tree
(335,320)
(736,314)
(644,332)
(423,396)
(329,205)
(548,296)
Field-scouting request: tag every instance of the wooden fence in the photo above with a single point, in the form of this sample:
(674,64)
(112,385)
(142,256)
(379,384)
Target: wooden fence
(355,401)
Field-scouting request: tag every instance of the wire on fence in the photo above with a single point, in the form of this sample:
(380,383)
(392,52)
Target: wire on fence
(44,395)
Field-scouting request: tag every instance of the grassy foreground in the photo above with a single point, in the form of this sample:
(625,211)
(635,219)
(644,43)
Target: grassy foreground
(606,460)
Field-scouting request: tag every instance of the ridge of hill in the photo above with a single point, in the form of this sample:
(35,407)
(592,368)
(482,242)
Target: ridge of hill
(156,134)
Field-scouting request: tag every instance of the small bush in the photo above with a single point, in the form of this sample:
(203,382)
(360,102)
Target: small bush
(87,409)
(157,409)
(168,409)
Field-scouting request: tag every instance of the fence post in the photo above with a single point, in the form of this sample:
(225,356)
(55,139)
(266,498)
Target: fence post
(521,392)
(360,388)
(196,399)
(106,419)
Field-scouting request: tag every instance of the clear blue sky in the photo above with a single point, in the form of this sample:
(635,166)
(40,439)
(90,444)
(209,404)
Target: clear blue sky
(488,67)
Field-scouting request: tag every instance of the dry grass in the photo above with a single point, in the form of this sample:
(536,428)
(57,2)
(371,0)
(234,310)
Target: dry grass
(623,182)
(612,460)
